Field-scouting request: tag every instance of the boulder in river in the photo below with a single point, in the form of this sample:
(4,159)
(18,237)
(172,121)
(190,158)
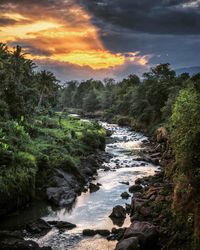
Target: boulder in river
(62,224)
(91,232)
(125,195)
(103,232)
(38,227)
(118,215)
(93,187)
(135,188)
(118,212)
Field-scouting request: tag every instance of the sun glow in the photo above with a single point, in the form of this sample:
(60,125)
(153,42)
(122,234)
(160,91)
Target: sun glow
(67,35)
(25,31)
(96,59)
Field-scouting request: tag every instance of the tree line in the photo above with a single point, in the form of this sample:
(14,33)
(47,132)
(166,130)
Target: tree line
(149,100)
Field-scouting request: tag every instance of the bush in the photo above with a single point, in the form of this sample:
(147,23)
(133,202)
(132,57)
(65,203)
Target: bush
(93,140)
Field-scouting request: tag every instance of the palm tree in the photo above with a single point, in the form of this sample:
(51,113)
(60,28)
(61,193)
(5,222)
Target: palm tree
(47,84)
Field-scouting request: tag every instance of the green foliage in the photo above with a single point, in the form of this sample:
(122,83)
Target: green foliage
(90,139)
(22,90)
(90,102)
(149,101)
(185,130)
(31,151)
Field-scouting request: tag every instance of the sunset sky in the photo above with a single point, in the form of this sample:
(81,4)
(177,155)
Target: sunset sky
(79,39)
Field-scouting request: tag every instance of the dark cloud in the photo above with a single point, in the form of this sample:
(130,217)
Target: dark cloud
(147,16)
(66,71)
(167,30)
(30,48)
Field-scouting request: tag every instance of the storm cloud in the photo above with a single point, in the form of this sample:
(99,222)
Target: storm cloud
(80,39)
(166,30)
(147,16)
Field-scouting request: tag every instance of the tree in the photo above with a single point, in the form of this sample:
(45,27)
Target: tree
(48,86)
(90,103)
(161,72)
(17,78)
(68,93)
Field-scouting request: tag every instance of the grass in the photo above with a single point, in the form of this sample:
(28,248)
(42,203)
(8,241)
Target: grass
(31,150)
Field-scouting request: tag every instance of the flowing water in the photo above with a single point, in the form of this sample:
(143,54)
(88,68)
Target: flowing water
(92,210)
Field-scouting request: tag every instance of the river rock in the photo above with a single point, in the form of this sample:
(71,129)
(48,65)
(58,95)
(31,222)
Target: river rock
(61,196)
(125,195)
(139,181)
(38,227)
(93,187)
(118,215)
(62,224)
(128,244)
(105,168)
(124,182)
(135,188)
(137,195)
(118,212)
(118,233)
(88,171)
(146,233)
(103,232)
(91,232)
(12,241)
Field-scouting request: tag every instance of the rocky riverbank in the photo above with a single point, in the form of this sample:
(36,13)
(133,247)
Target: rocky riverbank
(67,186)
(153,222)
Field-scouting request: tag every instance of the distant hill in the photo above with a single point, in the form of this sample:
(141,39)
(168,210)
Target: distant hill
(190,70)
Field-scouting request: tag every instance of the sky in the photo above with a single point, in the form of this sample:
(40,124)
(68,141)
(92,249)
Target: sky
(82,39)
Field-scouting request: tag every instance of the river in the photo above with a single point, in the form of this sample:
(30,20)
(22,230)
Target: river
(92,210)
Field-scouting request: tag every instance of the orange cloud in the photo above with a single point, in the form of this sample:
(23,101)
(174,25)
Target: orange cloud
(61,34)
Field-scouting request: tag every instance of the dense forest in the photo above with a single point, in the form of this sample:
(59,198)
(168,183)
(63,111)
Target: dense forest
(35,137)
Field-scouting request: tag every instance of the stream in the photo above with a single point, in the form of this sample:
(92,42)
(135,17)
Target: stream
(92,210)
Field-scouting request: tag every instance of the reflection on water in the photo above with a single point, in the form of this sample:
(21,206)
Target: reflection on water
(92,210)
(98,242)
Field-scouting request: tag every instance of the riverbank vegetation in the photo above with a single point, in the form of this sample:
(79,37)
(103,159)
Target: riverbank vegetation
(34,139)
(160,103)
